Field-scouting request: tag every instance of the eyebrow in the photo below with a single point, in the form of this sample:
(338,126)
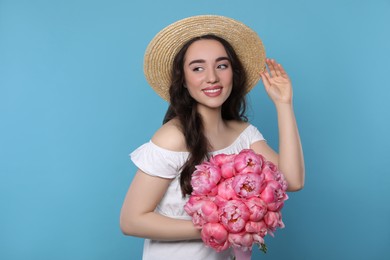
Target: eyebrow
(203,61)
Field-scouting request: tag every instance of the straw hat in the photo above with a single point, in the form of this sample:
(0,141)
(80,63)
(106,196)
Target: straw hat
(166,44)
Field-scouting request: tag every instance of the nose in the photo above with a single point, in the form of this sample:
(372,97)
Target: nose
(212,76)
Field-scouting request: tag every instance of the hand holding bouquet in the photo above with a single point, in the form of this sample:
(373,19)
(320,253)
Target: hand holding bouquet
(236,201)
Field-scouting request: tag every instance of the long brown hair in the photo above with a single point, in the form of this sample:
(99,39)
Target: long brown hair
(183,106)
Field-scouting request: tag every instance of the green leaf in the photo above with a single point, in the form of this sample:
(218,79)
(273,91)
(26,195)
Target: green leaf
(263,247)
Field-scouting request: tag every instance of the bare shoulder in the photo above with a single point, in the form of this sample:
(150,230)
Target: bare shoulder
(170,137)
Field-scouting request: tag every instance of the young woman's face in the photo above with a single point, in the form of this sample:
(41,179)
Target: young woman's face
(208,73)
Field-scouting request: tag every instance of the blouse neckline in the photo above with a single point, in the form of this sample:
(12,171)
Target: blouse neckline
(212,152)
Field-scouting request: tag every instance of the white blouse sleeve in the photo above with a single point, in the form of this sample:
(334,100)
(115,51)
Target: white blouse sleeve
(254,135)
(157,161)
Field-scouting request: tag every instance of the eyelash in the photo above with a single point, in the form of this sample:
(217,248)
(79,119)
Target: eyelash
(225,66)
(220,66)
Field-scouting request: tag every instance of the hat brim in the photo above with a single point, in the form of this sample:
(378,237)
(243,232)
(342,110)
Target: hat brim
(163,48)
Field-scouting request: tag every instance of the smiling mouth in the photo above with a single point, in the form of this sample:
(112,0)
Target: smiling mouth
(215,90)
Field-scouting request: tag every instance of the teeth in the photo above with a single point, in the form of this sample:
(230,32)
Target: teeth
(212,90)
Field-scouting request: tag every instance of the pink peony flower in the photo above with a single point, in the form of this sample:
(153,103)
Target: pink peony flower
(273,195)
(248,185)
(215,235)
(242,240)
(271,173)
(228,170)
(258,239)
(234,215)
(257,228)
(273,220)
(247,161)
(257,208)
(226,163)
(205,179)
(201,210)
(225,189)
(221,159)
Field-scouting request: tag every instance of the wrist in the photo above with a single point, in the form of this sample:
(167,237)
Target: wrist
(282,106)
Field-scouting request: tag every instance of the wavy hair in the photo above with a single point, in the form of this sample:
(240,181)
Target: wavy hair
(183,106)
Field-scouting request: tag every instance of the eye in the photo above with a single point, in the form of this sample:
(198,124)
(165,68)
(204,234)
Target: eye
(197,69)
(223,66)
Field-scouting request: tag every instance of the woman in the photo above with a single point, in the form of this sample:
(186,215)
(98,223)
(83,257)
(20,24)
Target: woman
(211,66)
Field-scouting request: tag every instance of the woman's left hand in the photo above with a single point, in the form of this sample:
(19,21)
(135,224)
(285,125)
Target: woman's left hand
(290,158)
(277,83)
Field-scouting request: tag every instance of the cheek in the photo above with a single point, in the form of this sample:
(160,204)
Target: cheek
(229,76)
(192,80)
(190,84)
(228,79)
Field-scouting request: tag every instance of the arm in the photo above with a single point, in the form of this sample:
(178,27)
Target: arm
(138,216)
(139,219)
(290,159)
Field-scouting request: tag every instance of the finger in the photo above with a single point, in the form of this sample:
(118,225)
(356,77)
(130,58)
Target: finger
(276,68)
(263,70)
(271,67)
(266,79)
(283,73)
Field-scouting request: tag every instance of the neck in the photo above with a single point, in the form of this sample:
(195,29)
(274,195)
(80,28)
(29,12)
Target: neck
(212,120)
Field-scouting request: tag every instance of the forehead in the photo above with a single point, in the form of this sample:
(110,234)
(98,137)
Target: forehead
(205,48)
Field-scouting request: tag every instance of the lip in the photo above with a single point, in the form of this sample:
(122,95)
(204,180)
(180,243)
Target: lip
(213,91)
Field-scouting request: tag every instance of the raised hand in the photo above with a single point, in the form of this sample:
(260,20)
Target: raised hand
(290,158)
(277,83)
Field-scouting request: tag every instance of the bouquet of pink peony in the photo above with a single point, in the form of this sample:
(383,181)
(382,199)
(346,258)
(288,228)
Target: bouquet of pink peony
(236,201)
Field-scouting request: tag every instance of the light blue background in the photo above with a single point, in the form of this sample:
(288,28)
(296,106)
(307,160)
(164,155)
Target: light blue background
(74,103)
